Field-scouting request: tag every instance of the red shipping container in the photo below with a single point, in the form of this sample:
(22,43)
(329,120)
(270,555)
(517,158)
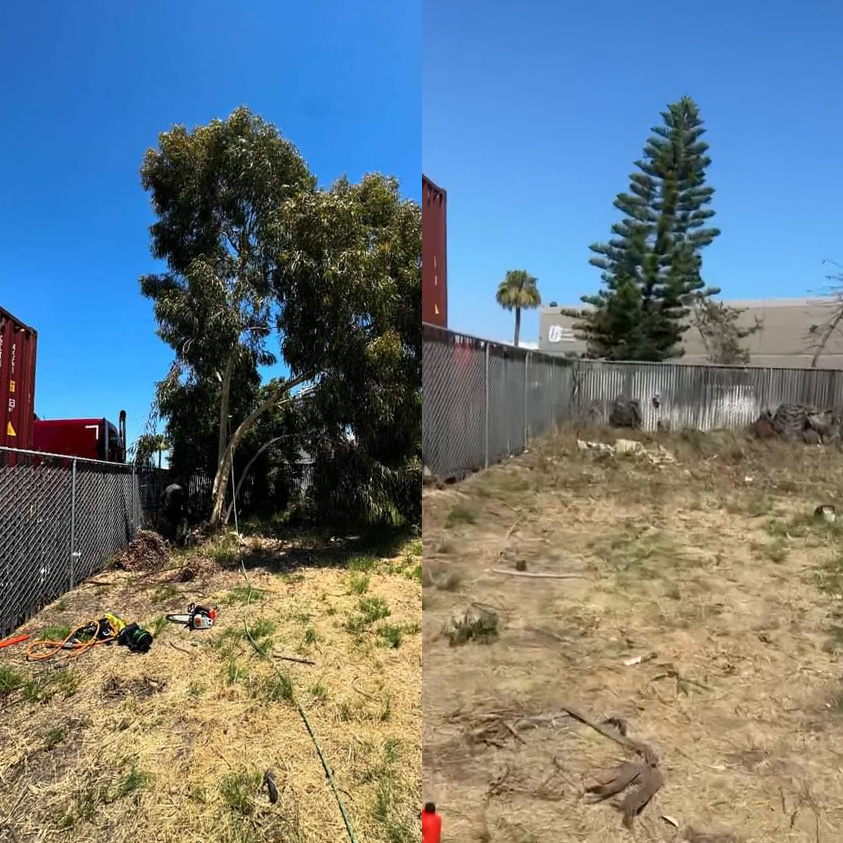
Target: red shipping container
(18,344)
(434,254)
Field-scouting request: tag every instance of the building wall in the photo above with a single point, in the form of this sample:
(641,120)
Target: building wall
(787,339)
(434,254)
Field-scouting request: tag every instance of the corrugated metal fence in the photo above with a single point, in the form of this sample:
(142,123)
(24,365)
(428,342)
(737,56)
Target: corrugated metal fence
(483,401)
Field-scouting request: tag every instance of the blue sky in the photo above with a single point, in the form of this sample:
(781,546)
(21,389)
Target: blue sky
(533,114)
(87,87)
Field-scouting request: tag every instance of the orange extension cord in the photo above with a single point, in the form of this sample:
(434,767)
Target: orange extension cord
(71,649)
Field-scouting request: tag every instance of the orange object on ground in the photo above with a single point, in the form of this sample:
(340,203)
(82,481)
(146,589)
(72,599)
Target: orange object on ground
(18,639)
(431,824)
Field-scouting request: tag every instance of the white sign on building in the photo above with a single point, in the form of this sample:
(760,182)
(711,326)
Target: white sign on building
(559,334)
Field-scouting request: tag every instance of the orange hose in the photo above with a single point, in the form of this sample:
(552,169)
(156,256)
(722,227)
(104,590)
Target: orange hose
(75,649)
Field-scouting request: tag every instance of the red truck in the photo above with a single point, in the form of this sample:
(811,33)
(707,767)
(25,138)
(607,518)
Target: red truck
(96,439)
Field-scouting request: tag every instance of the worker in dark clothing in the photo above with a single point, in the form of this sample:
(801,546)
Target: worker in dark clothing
(174,514)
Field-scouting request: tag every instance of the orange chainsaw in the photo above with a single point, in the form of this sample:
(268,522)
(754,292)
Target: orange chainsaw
(196,617)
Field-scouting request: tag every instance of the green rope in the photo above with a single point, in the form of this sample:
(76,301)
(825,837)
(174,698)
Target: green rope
(261,652)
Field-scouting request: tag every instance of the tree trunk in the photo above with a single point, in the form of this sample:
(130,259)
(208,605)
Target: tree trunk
(224,465)
(517,325)
(225,401)
(828,330)
(246,471)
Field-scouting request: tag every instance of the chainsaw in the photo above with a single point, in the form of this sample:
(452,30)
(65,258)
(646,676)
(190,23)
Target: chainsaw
(196,617)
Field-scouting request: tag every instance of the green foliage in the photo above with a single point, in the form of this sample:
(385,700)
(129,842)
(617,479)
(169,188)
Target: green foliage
(264,268)
(518,291)
(651,268)
(10,680)
(721,330)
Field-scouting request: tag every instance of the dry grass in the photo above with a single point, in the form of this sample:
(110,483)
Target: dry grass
(712,569)
(172,745)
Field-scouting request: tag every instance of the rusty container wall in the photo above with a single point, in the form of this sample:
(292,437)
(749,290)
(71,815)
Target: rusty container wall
(434,254)
(18,344)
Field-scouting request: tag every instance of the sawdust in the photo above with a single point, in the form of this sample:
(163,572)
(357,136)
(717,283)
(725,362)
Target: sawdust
(173,745)
(733,592)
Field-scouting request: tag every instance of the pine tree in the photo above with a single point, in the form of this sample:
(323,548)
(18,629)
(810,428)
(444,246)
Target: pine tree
(652,267)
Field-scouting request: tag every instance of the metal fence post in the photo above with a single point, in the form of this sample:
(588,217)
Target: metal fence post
(526,382)
(551,422)
(487,406)
(72,524)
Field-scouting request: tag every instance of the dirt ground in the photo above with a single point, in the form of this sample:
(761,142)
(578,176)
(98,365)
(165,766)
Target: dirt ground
(171,746)
(702,606)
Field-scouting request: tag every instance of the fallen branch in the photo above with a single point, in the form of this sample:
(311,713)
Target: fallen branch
(643,775)
(535,575)
(293,659)
(508,537)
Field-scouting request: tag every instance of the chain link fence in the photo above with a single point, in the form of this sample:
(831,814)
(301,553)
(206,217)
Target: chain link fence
(62,519)
(483,401)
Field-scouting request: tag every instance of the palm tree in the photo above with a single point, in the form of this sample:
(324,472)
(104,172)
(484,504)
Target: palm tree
(518,290)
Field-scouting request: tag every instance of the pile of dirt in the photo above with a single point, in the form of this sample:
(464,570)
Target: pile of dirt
(147,551)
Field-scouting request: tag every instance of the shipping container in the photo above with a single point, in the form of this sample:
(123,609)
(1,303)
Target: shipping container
(434,254)
(18,345)
(93,439)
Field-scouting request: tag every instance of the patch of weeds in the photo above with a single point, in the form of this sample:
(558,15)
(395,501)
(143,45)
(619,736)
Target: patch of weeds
(292,578)
(61,606)
(234,673)
(391,634)
(134,780)
(55,633)
(272,689)
(386,708)
(164,593)
(41,689)
(157,626)
(445,579)
(299,616)
(310,636)
(358,583)
(480,626)
(331,611)
(628,552)
(261,630)
(776,551)
(760,503)
(54,737)
(373,609)
(362,563)
(414,573)
(10,680)
(224,550)
(242,594)
(806,525)
(319,692)
(85,803)
(386,806)
(238,790)
(196,689)
(460,514)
